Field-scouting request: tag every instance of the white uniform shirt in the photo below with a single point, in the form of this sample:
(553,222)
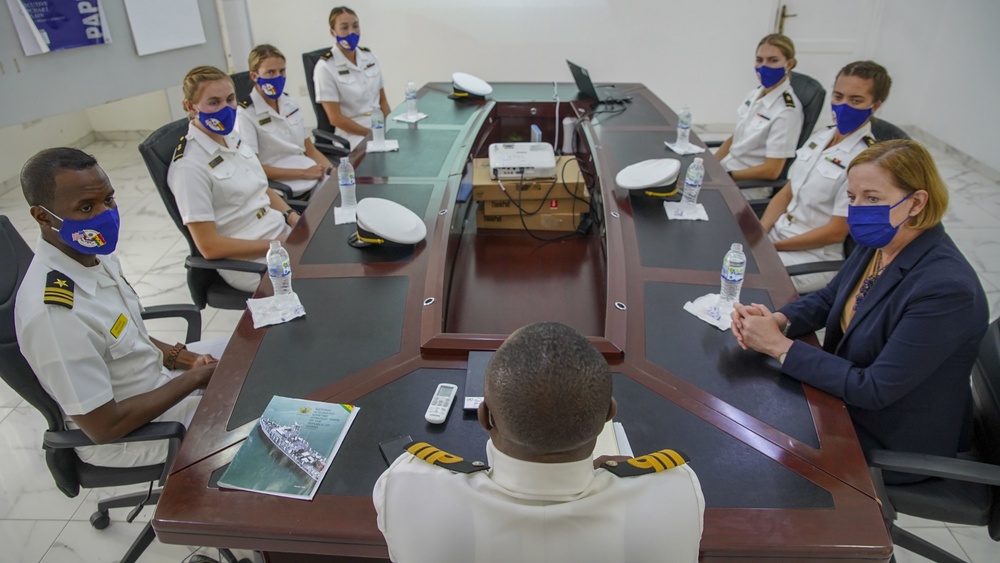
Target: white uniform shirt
(226,185)
(93,352)
(355,87)
(819,191)
(768,127)
(277,137)
(523,511)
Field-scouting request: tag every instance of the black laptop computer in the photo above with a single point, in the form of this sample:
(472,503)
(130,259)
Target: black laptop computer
(586,85)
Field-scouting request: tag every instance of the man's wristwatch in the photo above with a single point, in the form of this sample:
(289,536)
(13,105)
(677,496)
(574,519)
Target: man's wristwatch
(781,358)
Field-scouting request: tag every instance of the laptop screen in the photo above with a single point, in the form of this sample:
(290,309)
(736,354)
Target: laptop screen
(583,82)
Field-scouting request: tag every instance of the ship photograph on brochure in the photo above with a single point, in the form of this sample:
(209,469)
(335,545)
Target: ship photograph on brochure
(296,449)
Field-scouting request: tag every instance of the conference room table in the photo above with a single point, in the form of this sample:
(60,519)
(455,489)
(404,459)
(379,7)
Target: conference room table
(779,462)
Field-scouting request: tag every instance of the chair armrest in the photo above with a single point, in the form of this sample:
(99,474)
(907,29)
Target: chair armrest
(331,138)
(283,189)
(186,311)
(750,184)
(713,144)
(759,206)
(936,466)
(297,204)
(814,267)
(225,264)
(65,439)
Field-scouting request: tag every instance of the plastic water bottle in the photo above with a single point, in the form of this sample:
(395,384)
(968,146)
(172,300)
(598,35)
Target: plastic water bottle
(378,127)
(692,182)
(348,189)
(733,267)
(279,269)
(411,100)
(683,127)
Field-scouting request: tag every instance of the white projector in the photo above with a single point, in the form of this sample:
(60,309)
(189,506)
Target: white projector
(513,161)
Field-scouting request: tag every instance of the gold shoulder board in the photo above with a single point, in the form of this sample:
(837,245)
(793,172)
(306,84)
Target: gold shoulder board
(644,465)
(58,290)
(434,456)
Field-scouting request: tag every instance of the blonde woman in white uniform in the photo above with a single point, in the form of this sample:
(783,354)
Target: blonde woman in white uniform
(348,79)
(218,183)
(770,117)
(807,219)
(270,122)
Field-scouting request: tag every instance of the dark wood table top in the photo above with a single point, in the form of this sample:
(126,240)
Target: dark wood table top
(780,465)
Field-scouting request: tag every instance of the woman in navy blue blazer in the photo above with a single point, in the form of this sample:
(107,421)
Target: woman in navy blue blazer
(904,316)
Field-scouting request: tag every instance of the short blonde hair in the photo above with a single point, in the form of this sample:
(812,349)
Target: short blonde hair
(912,168)
(260,53)
(783,43)
(198,76)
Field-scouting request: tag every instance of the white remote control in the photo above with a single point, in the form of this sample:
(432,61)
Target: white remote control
(437,411)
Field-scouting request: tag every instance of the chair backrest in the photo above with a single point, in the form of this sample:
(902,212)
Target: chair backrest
(309,62)
(243,84)
(986,406)
(882,130)
(812,94)
(158,153)
(14,369)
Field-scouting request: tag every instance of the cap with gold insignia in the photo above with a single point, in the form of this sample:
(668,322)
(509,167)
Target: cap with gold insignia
(434,456)
(467,87)
(384,222)
(656,177)
(643,465)
(58,290)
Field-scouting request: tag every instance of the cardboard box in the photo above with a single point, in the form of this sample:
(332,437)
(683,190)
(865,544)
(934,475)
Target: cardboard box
(566,222)
(569,182)
(544,207)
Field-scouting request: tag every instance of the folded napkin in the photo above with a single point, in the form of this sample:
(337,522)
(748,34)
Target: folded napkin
(264,311)
(682,212)
(707,309)
(342,215)
(407,119)
(388,146)
(689,149)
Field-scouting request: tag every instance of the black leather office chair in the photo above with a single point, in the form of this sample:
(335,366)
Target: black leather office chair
(882,130)
(69,473)
(326,140)
(243,84)
(206,285)
(960,491)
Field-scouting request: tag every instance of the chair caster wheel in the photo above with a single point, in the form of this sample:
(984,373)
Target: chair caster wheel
(100,520)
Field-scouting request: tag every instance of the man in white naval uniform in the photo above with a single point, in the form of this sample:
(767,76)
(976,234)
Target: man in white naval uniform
(547,395)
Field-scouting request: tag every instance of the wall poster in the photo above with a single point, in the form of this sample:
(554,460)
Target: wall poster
(54,25)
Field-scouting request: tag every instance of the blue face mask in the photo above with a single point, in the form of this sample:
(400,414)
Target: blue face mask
(272,87)
(97,235)
(220,122)
(770,76)
(350,42)
(848,119)
(871,225)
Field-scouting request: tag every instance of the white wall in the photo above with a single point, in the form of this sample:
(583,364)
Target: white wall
(144,112)
(19,142)
(695,53)
(943,60)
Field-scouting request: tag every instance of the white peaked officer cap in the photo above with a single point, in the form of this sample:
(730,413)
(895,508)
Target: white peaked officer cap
(467,87)
(657,177)
(381,221)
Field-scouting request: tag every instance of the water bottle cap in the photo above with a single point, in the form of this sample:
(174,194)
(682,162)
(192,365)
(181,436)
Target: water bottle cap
(275,244)
(698,160)
(344,159)
(736,246)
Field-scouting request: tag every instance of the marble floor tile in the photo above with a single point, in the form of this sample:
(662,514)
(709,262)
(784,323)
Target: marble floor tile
(940,536)
(79,542)
(89,505)
(139,251)
(8,398)
(977,543)
(162,289)
(224,321)
(27,491)
(4,411)
(27,540)
(172,261)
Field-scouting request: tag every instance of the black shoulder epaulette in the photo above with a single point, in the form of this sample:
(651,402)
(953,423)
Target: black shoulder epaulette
(179,151)
(434,456)
(789,100)
(58,290)
(245,103)
(365,49)
(869,140)
(326,56)
(649,463)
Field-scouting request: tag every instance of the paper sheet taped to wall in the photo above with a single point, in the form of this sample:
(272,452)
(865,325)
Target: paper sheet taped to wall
(164,25)
(54,25)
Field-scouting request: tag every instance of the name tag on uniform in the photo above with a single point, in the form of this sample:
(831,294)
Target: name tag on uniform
(343,72)
(119,326)
(215,162)
(265,121)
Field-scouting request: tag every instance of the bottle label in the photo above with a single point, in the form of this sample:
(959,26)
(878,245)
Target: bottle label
(280,270)
(347,179)
(733,274)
